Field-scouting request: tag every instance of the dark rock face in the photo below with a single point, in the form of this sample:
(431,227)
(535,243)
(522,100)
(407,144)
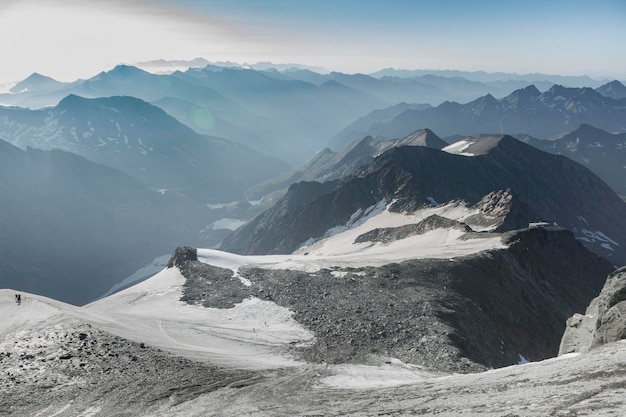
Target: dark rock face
(542,187)
(604,320)
(602,152)
(181,255)
(329,166)
(210,285)
(462,314)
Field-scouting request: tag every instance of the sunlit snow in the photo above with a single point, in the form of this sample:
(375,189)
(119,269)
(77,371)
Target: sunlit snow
(227,223)
(244,336)
(339,249)
(459,147)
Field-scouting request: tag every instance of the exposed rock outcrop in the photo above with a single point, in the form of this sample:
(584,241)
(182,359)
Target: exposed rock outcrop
(389,234)
(490,309)
(75,366)
(182,254)
(604,320)
(502,210)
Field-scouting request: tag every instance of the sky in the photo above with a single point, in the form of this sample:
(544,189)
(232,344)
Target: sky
(71,39)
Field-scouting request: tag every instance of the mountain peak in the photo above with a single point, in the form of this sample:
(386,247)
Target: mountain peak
(424,137)
(588,129)
(523,96)
(558,90)
(613,89)
(127,70)
(120,71)
(71,100)
(613,84)
(530,90)
(36,81)
(584,132)
(481,101)
(487,144)
(35,76)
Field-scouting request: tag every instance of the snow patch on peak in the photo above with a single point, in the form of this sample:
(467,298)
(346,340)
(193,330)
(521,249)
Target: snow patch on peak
(340,250)
(357,218)
(440,243)
(597,236)
(459,147)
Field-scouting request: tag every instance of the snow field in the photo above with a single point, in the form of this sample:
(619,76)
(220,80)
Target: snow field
(339,249)
(245,336)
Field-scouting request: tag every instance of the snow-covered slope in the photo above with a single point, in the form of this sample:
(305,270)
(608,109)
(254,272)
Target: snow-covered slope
(245,336)
(584,385)
(338,247)
(34,312)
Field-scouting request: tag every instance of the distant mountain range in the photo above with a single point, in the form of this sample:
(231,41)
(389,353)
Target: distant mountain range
(480,76)
(301,112)
(487,77)
(113,119)
(527,110)
(142,140)
(290,112)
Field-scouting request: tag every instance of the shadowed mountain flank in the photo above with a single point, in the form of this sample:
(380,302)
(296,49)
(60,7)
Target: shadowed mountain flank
(546,187)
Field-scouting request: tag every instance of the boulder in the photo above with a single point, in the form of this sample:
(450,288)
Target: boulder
(604,320)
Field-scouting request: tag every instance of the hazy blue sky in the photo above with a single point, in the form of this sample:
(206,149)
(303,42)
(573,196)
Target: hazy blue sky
(68,39)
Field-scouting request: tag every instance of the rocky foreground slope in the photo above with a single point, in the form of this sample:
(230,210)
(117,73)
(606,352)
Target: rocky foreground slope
(55,360)
(158,349)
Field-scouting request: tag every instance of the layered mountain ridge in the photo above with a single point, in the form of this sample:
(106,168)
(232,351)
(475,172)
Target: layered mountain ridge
(328,165)
(135,137)
(526,110)
(555,190)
